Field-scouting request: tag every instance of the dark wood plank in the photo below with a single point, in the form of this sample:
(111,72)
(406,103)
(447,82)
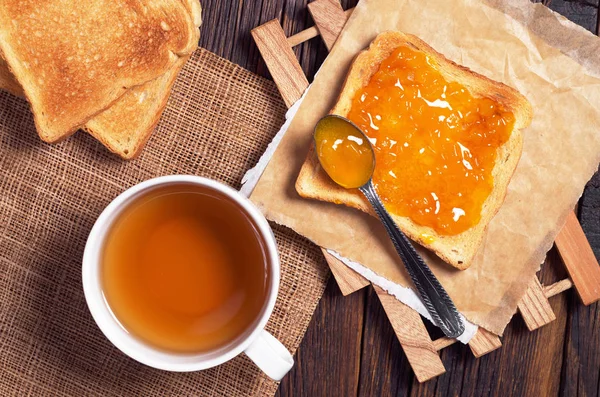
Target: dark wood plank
(582,12)
(328,361)
(218,33)
(384,371)
(588,213)
(581,363)
(227,25)
(245,51)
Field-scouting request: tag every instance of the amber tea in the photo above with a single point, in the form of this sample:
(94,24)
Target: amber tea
(185,269)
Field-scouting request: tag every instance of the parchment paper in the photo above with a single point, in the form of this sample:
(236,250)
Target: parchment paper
(561,147)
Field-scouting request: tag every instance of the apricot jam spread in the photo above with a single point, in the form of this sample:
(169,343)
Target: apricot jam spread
(343,152)
(435,142)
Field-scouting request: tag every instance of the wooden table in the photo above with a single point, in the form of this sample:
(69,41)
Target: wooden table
(350,347)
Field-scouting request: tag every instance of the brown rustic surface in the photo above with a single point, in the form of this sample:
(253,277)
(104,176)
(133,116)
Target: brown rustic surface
(350,347)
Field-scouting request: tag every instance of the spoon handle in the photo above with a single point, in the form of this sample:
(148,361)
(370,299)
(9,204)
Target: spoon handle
(435,298)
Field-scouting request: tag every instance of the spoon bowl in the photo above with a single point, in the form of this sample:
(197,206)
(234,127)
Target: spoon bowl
(344,151)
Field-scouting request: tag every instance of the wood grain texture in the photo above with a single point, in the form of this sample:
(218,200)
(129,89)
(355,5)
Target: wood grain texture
(581,361)
(557,287)
(579,259)
(281,61)
(443,342)
(331,366)
(412,334)
(484,342)
(384,370)
(347,279)
(302,36)
(310,33)
(329,18)
(535,307)
(528,364)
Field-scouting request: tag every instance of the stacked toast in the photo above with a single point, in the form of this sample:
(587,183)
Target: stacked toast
(104,66)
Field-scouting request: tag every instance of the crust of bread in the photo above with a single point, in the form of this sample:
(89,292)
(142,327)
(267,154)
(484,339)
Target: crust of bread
(74,62)
(457,250)
(7,80)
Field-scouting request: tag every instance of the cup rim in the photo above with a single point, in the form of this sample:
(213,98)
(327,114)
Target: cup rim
(129,344)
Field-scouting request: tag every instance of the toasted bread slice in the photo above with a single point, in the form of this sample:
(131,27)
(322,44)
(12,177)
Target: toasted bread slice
(128,123)
(195,9)
(75,59)
(126,126)
(457,250)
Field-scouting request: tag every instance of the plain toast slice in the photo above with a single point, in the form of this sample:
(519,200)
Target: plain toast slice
(127,124)
(457,250)
(75,59)
(125,127)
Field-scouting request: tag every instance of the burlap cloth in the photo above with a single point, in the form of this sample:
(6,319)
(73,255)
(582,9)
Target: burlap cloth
(219,120)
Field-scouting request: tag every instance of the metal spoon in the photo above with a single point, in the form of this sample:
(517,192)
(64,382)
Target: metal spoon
(435,298)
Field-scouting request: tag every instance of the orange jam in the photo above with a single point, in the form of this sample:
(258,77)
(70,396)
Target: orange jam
(435,142)
(343,152)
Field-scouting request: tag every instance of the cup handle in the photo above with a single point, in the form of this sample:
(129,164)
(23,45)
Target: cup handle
(270,356)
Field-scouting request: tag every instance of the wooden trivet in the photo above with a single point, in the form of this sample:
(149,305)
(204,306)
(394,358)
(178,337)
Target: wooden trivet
(420,349)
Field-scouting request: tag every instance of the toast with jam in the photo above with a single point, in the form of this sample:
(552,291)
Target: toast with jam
(447,141)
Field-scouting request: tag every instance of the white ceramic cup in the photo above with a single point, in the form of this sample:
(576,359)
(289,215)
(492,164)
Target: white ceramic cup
(260,346)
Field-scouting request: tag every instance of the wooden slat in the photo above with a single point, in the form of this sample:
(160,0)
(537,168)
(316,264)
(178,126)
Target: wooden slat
(303,36)
(558,287)
(579,259)
(347,279)
(484,342)
(414,339)
(443,343)
(291,82)
(534,306)
(481,344)
(329,18)
(281,61)
(310,33)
